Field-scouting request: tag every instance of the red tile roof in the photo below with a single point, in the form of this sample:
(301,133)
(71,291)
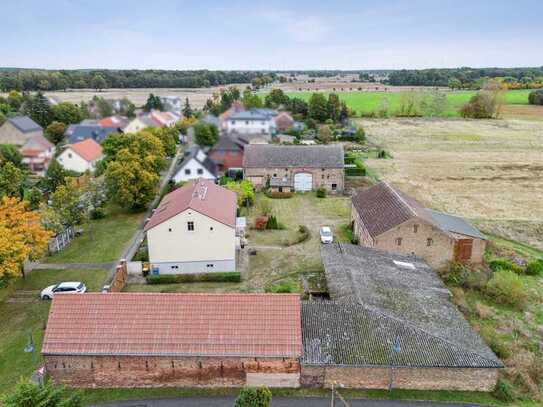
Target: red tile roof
(201,195)
(87,149)
(245,325)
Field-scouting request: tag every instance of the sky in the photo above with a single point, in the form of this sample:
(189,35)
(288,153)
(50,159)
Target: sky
(274,35)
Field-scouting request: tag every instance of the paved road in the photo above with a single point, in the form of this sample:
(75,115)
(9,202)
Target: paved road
(131,249)
(276,402)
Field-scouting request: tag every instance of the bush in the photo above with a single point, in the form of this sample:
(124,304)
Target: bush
(496,343)
(261,222)
(535,268)
(462,275)
(505,264)
(142,254)
(272,223)
(302,235)
(221,277)
(321,193)
(536,97)
(98,213)
(355,172)
(506,287)
(504,390)
(254,397)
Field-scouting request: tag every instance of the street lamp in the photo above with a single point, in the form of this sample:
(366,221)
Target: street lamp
(396,348)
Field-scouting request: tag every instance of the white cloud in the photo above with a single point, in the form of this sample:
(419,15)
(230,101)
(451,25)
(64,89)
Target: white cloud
(299,28)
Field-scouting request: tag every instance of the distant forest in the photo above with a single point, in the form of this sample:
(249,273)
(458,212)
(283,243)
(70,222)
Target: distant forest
(467,78)
(33,79)
(459,78)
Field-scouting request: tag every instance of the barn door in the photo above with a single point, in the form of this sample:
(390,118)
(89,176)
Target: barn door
(463,250)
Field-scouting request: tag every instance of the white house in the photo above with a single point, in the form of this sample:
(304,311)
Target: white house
(254,121)
(193,230)
(82,156)
(196,165)
(141,122)
(37,153)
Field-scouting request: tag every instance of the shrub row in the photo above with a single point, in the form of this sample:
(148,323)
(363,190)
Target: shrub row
(355,172)
(533,268)
(221,277)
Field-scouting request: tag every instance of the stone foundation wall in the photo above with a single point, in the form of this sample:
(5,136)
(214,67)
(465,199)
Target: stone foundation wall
(404,378)
(131,371)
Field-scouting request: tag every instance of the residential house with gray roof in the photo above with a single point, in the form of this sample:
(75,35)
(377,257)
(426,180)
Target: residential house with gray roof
(303,168)
(253,121)
(196,164)
(391,322)
(18,130)
(385,218)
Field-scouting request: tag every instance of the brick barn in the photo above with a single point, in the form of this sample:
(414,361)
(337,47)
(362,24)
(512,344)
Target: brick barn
(160,340)
(300,168)
(385,218)
(391,322)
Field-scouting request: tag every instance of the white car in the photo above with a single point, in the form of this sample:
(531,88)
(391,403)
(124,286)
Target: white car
(66,287)
(326,235)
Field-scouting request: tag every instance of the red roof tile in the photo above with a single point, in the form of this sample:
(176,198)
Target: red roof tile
(87,149)
(246,325)
(201,195)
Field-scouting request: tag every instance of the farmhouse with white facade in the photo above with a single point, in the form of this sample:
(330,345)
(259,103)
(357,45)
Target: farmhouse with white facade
(82,156)
(196,165)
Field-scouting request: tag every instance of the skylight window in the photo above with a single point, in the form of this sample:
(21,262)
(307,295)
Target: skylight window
(404,264)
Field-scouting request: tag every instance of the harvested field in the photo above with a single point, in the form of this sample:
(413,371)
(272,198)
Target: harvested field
(490,171)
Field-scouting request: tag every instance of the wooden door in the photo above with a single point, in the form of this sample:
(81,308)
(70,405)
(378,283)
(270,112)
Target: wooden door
(463,250)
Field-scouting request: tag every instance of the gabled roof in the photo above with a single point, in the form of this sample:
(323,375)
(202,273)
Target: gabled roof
(114,122)
(253,114)
(405,297)
(383,207)
(225,143)
(87,149)
(278,156)
(37,143)
(201,195)
(207,163)
(79,132)
(159,324)
(24,124)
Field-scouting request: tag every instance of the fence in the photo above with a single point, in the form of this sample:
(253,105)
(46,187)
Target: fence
(61,240)
(119,279)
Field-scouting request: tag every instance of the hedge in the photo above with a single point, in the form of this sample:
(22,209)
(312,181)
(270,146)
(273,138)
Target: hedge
(355,172)
(221,277)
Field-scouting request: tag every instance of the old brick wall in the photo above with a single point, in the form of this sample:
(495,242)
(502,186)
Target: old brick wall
(321,177)
(131,371)
(478,251)
(438,254)
(404,378)
(359,229)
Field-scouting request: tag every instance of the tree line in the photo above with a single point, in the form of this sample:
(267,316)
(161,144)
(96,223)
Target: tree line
(468,78)
(44,80)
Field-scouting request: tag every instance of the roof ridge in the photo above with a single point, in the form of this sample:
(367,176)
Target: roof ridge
(396,193)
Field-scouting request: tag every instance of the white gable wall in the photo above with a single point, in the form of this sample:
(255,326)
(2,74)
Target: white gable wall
(250,126)
(192,170)
(70,160)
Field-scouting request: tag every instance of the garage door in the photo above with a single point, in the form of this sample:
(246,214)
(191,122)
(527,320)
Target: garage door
(303,182)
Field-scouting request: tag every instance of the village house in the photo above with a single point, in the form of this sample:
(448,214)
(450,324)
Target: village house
(227,154)
(18,130)
(172,104)
(37,153)
(141,122)
(302,168)
(236,107)
(253,121)
(129,340)
(81,156)
(390,323)
(385,218)
(76,133)
(116,122)
(196,164)
(193,230)
(165,119)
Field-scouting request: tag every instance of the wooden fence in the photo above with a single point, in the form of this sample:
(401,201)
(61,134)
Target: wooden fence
(119,279)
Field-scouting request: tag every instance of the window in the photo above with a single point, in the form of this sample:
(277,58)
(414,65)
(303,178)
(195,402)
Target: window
(175,267)
(322,176)
(200,171)
(429,242)
(187,171)
(190,226)
(211,228)
(209,266)
(280,189)
(275,175)
(415,228)
(169,229)
(246,122)
(334,187)
(232,122)
(69,155)
(398,241)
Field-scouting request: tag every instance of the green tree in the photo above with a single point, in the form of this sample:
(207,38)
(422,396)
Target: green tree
(318,107)
(55,132)
(55,176)
(35,198)
(536,97)
(276,98)
(38,109)
(251,100)
(98,82)
(455,83)
(67,113)
(244,191)
(15,100)
(128,108)
(3,118)
(28,394)
(205,134)
(129,183)
(153,103)
(168,136)
(254,397)
(325,134)
(333,107)
(187,110)
(9,152)
(11,180)
(66,201)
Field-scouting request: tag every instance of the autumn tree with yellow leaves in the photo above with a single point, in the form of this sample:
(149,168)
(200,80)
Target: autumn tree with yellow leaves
(22,236)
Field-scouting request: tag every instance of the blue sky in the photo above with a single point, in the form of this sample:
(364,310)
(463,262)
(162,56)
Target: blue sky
(302,34)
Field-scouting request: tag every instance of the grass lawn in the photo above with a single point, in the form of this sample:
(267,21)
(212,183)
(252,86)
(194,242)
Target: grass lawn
(102,240)
(185,288)
(368,102)
(19,319)
(104,395)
